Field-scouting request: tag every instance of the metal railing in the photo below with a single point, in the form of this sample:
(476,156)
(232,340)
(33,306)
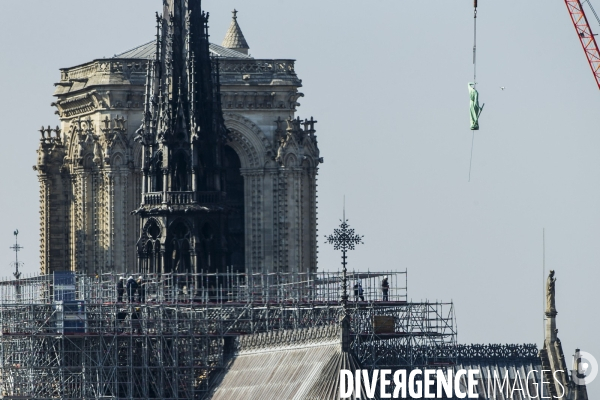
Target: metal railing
(213,288)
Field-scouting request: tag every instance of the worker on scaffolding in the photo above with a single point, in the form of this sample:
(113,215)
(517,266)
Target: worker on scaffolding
(131,289)
(136,324)
(385,286)
(120,320)
(141,289)
(358,291)
(120,289)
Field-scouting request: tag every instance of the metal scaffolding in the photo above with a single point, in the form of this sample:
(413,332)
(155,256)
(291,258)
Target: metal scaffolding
(68,336)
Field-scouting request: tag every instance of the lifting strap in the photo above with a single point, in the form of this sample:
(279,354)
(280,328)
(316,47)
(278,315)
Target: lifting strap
(474,74)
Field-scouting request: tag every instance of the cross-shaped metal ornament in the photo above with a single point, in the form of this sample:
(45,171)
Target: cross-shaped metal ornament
(344,239)
(16,249)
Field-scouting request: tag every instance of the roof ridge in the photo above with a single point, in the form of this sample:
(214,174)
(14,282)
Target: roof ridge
(148,50)
(134,48)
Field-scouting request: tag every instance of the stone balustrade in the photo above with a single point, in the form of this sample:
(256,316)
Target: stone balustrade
(153,198)
(128,66)
(182,198)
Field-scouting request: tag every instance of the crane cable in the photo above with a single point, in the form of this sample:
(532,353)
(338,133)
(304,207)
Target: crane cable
(474,73)
(591,8)
(475,43)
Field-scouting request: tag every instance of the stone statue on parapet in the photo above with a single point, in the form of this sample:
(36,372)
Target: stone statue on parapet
(550,294)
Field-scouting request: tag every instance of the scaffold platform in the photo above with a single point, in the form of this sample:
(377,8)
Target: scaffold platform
(73,336)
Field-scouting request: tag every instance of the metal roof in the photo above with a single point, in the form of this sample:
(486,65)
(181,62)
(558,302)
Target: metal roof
(300,364)
(276,374)
(305,364)
(147,51)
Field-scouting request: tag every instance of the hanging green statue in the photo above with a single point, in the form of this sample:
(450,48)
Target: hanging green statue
(475,109)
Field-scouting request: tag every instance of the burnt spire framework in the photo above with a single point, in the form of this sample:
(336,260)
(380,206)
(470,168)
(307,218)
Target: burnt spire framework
(183,211)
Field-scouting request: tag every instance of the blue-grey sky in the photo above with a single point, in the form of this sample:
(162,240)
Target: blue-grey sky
(387,81)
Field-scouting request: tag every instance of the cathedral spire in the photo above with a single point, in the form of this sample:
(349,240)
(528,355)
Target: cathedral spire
(234,38)
(183,211)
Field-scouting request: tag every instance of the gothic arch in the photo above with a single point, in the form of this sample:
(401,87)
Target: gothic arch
(117,160)
(307,162)
(157,222)
(179,246)
(150,246)
(184,222)
(137,155)
(290,160)
(72,146)
(88,163)
(149,236)
(248,141)
(180,167)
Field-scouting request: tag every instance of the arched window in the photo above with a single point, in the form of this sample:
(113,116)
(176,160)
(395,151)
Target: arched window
(156,175)
(151,251)
(234,186)
(179,182)
(179,249)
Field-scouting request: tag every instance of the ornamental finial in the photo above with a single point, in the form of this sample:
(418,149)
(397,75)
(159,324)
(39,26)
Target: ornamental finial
(16,248)
(344,239)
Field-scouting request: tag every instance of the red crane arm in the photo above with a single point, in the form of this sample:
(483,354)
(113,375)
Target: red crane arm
(587,39)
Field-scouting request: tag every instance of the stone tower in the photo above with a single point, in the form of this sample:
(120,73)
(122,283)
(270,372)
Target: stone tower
(90,167)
